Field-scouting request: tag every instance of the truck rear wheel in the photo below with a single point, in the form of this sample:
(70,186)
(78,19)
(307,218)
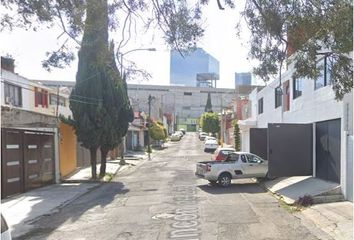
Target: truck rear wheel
(224,180)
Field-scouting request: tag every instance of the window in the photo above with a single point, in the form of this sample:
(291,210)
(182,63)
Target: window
(278,97)
(297,87)
(13,95)
(254,159)
(325,77)
(186,108)
(260,106)
(232,157)
(40,97)
(187,94)
(243,158)
(53,100)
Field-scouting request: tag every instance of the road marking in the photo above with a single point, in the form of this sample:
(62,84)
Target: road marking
(186,218)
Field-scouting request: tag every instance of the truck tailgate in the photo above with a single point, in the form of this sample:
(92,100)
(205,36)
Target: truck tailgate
(201,169)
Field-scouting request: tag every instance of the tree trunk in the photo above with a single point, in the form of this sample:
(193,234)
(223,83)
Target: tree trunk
(121,147)
(104,153)
(93,158)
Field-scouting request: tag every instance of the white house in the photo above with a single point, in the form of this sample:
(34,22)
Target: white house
(308,101)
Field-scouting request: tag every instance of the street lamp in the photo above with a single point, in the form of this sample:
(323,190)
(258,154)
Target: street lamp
(121,72)
(133,50)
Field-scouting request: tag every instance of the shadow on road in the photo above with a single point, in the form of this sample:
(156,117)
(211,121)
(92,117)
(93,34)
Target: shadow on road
(99,197)
(234,188)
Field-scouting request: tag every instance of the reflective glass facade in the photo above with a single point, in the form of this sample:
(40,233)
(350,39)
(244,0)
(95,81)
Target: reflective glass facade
(243,79)
(183,71)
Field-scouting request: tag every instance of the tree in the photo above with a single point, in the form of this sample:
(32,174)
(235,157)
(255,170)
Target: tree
(237,136)
(210,122)
(157,131)
(118,112)
(311,29)
(89,114)
(208,106)
(179,22)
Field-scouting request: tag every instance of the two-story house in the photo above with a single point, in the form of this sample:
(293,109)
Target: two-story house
(35,144)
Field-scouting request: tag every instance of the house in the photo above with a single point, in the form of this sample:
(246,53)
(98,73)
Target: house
(299,126)
(137,132)
(34,142)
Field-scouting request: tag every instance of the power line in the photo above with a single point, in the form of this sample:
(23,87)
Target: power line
(72,95)
(71,99)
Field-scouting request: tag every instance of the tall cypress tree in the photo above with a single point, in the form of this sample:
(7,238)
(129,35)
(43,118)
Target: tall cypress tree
(91,80)
(117,110)
(208,106)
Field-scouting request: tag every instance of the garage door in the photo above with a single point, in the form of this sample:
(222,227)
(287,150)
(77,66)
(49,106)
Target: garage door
(11,162)
(290,149)
(258,142)
(27,160)
(38,159)
(328,150)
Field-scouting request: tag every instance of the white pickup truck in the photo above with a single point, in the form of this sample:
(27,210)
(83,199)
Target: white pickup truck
(237,165)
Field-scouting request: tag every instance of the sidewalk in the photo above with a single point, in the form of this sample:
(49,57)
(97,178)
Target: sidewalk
(112,167)
(329,220)
(325,221)
(22,210)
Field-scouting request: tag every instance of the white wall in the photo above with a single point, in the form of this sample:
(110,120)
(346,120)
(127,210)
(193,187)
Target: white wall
(19,81)
(311,107)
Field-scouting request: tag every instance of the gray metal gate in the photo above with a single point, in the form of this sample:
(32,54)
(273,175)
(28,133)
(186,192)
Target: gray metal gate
(328,150)
(258,142)
(290,149)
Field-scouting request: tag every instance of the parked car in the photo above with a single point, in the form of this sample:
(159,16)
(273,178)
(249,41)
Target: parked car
(179,133)
(183,130)
(209,138)
(210,145)
(202,136)
(237,165)
(222,153)
(175,137)
(5,231)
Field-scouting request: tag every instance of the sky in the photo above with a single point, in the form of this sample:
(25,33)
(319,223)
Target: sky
(28,48)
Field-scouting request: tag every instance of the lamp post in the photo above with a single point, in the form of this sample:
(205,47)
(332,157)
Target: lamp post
(133,50)
(121,55)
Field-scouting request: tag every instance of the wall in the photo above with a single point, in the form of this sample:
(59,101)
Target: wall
(28,95)
(172,99)
(19,81)
(68,141)
(312,106)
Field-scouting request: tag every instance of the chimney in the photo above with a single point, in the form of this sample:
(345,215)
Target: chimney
(8,64)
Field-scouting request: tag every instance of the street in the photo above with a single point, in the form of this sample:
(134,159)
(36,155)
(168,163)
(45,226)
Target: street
(162,199)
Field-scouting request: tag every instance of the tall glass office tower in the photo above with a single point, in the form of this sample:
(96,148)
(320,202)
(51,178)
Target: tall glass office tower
(183,71)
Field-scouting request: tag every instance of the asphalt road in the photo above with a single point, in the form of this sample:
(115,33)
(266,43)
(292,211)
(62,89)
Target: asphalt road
(162,199)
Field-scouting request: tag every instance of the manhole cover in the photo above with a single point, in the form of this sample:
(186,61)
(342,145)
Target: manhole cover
(163,216)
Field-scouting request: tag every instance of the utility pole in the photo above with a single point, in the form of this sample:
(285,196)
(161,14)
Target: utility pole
(149,122)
